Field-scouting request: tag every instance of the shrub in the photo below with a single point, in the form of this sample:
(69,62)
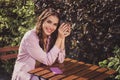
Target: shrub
(113,62)
(95,29)
(16,17)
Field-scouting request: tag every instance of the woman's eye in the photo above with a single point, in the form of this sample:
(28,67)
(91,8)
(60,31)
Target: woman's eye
(49,21)
(56,24)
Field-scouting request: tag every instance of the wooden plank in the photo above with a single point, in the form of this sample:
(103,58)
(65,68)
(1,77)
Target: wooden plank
(66,68)
(87,71)
(93,74)
(66,65)
(60,65)
(35,70)
(70,63)
(51,74)
(105,75)
(9,48)
(67,61)
(42,68)
(8,56)
(42,72)
(70,72)
(82,72)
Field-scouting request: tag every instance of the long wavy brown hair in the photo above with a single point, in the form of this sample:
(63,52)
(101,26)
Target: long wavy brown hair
(43,16)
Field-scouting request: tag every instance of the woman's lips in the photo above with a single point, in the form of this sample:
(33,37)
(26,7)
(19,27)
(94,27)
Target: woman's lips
(49,30)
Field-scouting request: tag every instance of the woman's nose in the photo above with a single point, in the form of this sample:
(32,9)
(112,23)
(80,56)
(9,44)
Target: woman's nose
(52,26)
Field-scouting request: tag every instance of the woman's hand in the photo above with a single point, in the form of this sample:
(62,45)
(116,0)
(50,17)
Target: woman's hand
(64,30)
(67,33)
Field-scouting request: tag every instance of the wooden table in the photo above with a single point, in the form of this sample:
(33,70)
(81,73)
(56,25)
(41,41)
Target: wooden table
(72,69)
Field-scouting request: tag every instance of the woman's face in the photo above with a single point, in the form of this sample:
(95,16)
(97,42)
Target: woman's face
(50,25)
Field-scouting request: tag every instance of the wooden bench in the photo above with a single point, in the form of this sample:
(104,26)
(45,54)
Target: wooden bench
(7,53)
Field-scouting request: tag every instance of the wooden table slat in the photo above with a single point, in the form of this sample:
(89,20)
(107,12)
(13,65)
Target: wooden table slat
(41,68)
(96,73)
(68,68)
(35,70)
(84,67)
(105,75)
(82,72)
(42,72)
(68,59)
(71,62)
(70,72)
(93,74)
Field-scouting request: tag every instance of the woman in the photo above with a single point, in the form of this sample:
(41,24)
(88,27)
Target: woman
(45,44)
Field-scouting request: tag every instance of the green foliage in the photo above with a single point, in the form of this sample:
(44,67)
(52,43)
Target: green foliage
(95,29)
(113,62)
(8,65)
(16,17)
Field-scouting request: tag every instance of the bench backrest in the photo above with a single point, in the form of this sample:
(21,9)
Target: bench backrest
(9,52)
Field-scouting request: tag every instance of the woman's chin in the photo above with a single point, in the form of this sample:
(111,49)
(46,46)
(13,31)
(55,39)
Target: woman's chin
(48,34)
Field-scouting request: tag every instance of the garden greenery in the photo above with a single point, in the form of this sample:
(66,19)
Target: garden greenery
(113,62)
(95,25)
(16,17)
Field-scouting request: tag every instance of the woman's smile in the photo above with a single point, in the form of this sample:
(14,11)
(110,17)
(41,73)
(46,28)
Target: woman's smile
(49,30)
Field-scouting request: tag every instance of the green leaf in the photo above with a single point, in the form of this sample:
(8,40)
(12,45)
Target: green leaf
(110,64)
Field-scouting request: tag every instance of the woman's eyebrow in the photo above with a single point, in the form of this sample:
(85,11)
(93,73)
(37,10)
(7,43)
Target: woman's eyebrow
(51,21)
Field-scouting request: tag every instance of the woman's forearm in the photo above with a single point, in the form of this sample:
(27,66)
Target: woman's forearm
(58,42)
(62,47)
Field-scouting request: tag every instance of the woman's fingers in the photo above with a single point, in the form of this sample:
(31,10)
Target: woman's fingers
(67,31)
(62,25)
(64,29)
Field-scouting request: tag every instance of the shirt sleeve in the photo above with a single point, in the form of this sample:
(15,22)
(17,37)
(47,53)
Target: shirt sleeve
(61,56)
(35,51)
